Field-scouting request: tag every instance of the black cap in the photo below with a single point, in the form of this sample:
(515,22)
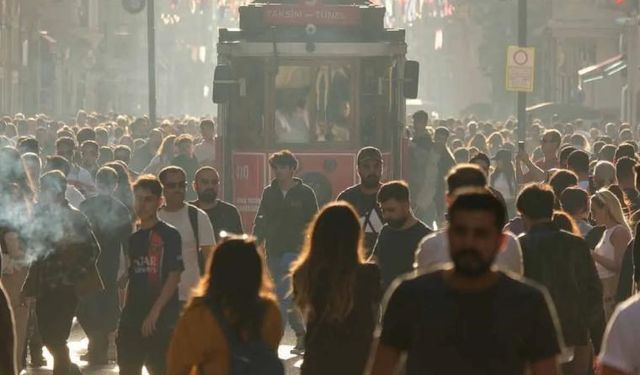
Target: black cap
(369,153)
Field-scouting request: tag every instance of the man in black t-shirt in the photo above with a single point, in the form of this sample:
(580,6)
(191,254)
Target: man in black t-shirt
(399,238)
(152,306)
(223,216)
(470,319)
(363,195)
(110,219)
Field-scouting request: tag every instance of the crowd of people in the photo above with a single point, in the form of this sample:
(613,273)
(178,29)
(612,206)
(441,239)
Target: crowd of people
(495,257)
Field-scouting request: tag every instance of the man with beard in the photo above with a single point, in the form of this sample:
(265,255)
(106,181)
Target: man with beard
(223,216)
(470,319)
(363,195)
(562,263)
(398,239)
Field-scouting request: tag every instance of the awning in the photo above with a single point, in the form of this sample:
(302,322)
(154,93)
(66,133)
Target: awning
(604,69)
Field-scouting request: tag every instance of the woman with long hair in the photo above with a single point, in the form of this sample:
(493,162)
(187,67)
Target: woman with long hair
(235,294)
(16,199)
(163,156)
(337,292)
(608,255)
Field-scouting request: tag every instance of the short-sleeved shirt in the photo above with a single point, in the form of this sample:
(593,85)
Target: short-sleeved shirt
(395,250)
(369,211)
(445,331)
(622,339)
(153,254)
(224,217)
(180,220)
(433,252)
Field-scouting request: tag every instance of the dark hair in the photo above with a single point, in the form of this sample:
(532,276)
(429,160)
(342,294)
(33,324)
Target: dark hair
(58,163)
(625,150)
(465,175)
(53,181)
(170,169)
(479,200)
(607,152)
(565,152)
(149,182)
(574,200)
(105,155)
(625,168)
(125,149)
(204,124)
(236,281)
(86,134)
(562,179)
(66,141)
(332,252)
(578,161)
(442,130)
(283,158)
(421,117)
(29,144)
(398,190)
(90,143)
(565,222)
(183,138)
(536,201)
(107,177)
(555,135)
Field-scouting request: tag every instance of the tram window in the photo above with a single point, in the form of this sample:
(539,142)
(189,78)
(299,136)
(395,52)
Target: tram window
(313,103)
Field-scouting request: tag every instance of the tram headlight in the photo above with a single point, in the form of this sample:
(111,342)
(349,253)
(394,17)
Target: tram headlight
(310,29)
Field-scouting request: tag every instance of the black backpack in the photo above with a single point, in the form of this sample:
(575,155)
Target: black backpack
(253,357)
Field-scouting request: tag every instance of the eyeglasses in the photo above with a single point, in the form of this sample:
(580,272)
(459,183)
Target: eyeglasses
(176,185)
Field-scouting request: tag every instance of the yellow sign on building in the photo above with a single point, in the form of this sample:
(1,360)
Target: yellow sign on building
(520,69)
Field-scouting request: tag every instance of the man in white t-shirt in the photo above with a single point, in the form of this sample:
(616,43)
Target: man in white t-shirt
(205,151)
(176,213)
(619,355)
(433,251)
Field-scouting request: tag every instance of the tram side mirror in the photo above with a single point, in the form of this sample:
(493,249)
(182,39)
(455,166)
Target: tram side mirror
(411,77)
(223,84)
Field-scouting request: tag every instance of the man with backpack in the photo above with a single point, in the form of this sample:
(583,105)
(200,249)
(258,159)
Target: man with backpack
(191,222)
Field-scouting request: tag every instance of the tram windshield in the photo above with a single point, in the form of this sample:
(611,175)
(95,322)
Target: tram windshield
(314,103)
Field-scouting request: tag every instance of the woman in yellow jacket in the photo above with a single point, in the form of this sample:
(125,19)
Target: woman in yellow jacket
(237,284)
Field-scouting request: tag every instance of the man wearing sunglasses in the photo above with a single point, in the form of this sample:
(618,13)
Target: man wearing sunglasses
(192,223)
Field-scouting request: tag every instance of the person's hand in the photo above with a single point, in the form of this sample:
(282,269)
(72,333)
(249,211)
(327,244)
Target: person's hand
(149,324)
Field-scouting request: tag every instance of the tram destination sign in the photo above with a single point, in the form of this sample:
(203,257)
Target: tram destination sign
(301,15)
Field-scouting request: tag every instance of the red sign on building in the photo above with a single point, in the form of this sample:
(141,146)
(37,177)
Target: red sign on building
(300,15)
(248,183)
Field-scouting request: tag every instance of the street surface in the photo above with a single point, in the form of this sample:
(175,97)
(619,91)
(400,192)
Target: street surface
(78,345)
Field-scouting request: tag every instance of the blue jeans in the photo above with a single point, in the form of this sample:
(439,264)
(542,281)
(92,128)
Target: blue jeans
(279,266)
